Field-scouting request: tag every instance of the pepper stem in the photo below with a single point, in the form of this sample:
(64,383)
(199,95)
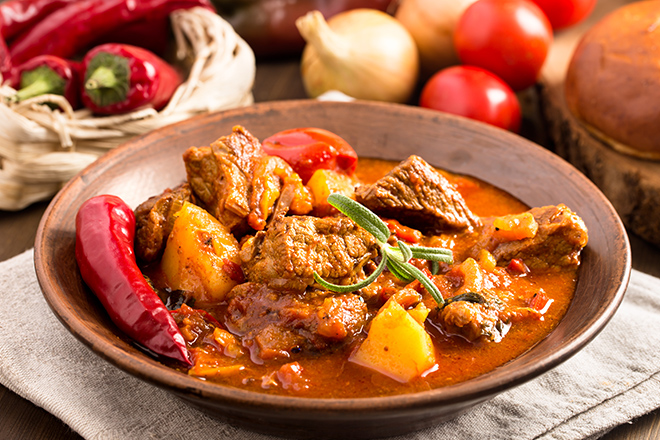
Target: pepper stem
(40,81)
(107,79)
(103,77)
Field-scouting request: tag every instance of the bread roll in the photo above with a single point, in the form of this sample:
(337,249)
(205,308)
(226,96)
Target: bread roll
(613,79)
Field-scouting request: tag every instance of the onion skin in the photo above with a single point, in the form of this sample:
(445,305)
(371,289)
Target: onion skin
(431,24)
(363,53)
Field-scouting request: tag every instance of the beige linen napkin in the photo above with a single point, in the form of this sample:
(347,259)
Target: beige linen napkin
(613,380)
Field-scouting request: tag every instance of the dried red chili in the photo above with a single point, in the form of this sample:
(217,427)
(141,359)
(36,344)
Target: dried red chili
(105,228)
(120,78)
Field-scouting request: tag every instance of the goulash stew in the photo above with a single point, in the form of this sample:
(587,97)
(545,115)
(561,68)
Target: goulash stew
(294,268)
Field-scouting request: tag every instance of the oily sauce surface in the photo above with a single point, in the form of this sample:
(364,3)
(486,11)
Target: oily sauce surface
(329,374)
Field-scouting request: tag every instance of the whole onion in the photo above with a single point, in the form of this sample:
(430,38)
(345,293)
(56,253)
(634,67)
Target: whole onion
(363,53)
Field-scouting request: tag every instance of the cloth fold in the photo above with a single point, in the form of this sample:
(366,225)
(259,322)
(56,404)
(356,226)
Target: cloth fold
(615,379)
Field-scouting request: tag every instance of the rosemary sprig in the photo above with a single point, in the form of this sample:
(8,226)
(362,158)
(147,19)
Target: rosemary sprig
(396,258)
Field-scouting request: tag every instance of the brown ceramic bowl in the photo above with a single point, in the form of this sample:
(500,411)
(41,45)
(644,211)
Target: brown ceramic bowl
(149,164)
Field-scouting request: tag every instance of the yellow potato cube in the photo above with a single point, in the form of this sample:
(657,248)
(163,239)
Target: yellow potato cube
(325,182)
(397,345)
(201,256)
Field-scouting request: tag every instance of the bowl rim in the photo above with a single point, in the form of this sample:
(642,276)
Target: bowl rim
(477,389)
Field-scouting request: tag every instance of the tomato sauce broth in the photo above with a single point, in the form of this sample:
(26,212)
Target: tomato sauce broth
(329,374)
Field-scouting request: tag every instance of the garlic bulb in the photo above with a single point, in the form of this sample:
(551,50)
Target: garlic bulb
(363,53)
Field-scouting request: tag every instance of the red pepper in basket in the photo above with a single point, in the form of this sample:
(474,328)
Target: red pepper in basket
(105,229)
(71,29)
(120,78)
(48,74)
(5,61)
(18,15)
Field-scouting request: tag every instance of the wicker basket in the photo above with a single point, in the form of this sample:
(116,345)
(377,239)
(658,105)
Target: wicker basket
(41,148)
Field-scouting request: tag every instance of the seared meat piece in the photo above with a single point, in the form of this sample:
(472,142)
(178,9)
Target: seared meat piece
(237,182)
(219,184)
(154,220)
(560,237)
(286,255)
(473,320)
(417,195)
(274,324)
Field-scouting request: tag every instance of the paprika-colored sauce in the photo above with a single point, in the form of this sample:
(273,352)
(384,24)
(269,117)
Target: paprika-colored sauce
(533,300)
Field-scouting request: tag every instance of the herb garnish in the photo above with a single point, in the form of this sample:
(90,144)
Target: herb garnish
(396,258)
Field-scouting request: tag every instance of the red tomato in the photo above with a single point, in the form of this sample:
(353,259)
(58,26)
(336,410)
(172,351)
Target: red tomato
(511,38)
(565,13)
(310,149)
(474,93)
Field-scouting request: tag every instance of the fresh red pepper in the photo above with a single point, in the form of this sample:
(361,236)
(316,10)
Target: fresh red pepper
(48,74)
(120,78)
(310,149)
(105,229)
(6,65)
(17,16)
(72,28)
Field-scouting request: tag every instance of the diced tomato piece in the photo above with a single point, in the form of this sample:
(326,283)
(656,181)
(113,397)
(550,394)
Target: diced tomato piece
(403,232)
(517,267)
(310,149)
(540,302)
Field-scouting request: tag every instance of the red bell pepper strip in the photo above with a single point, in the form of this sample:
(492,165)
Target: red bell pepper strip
(310,149)
(71,29)
(48,74)
(18,15)
(105,229)
(120,78)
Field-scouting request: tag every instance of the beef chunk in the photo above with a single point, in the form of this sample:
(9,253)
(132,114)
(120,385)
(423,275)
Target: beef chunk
(417,195)
(220,175)
(276,324)
(242,186)
(560,237)
(288,252)
(473,321)
(154,220)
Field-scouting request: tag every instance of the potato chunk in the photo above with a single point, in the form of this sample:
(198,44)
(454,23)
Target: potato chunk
(325,182)
(201,256)
(397,345)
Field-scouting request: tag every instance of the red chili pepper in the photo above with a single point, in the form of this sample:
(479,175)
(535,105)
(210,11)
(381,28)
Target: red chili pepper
(18,15)
(310,149)
(120,78)
(105,228)
(6,66)
(70,29)
(48,74)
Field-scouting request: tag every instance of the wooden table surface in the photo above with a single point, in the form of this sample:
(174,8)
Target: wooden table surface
(20,419)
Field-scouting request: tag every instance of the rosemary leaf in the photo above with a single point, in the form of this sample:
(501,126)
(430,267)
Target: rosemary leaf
(405,251)
(352,287)
(396,259)
(360,215)
(420,276)
(396,270)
